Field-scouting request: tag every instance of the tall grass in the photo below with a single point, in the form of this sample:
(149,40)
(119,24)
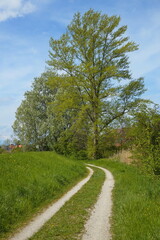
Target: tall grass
(136,203)
(28,181)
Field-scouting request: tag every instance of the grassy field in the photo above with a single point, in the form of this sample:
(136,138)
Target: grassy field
(68,223)
(28,181)
(136,203)
(136,206)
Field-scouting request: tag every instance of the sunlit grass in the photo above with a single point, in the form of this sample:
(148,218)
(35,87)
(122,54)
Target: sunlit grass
(68,223)
(29,181)
(136,203)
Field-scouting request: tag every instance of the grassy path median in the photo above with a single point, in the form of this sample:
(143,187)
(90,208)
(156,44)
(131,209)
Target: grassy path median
(68,223)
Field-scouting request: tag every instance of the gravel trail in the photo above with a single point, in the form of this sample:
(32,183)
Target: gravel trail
(98,225)
(33,227)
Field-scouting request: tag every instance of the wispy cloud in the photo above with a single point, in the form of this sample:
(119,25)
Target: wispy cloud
(62,18)
(15,8)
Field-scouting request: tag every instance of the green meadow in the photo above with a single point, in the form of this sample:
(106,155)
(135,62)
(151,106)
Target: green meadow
(30,181)
(136,206)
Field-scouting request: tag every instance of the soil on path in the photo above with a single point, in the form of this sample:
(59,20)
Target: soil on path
(98,225)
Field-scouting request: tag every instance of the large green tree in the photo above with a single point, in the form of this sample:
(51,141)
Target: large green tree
(92,56)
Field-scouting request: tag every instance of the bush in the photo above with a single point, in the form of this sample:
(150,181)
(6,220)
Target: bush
(82,155)
(1,150)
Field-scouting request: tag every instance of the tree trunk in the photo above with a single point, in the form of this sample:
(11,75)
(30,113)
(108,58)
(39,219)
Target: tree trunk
(95,141)
(95,107)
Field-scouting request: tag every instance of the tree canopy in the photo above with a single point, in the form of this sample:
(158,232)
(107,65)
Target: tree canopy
(87,88)
(93,57)
(33,124)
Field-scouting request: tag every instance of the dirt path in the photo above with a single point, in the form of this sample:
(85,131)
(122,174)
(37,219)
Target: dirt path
(42,218)
(98,225)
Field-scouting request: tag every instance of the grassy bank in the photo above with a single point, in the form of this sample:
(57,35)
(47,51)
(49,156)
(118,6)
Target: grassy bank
(68,223)
(29,181)
(136,203)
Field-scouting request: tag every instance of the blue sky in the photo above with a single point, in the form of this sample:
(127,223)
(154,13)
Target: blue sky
(27,25)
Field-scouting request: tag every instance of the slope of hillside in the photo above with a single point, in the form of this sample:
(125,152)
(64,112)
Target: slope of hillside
(28,181)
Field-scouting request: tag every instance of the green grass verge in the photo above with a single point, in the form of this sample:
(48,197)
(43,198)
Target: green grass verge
(29,181)
(136,203)
(68,223)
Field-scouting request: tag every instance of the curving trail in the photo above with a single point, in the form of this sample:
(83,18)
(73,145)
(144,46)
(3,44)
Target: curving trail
(98,225)
(33,227)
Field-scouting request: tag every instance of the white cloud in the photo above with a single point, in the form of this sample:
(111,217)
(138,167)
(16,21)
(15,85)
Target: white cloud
(15,8)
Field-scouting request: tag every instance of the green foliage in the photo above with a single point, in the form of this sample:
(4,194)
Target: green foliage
(30,181)
(145,135)
(72,141)
(86,89)
(1,150)
(93,57)
(17,150)
(34,122)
